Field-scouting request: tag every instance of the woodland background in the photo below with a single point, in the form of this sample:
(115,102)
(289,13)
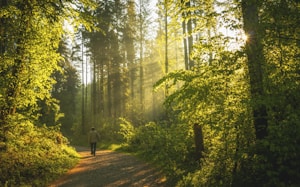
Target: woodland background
(207,90)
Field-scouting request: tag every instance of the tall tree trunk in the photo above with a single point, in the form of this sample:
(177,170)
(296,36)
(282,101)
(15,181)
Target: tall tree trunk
(82,90)
(94,97)
(199,142)
(141,59)
(101,106)
(190,36)
(129,43)
(254,51)
(87,114)
(186,55)
(109,89)
(166,45)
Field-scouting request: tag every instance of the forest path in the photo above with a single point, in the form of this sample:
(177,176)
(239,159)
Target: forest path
(110,169)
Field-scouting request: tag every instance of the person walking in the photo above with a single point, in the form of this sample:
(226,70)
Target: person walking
(94,137)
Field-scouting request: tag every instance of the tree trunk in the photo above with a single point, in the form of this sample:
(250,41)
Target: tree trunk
(199,144)
(186,55)
(141,60)
(94,97)
(83,88)
(190,36)
(166,46)
(109,89)
(187,34)
(254,51)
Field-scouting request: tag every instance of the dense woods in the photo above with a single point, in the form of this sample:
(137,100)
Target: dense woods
(36,75)
(207,90)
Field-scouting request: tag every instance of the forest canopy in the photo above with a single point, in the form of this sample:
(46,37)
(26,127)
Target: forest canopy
(32,148)
(207,89)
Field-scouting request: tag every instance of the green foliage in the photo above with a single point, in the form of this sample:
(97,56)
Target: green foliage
(108,130)
(30,34)
(275,162)
(65,91)
(216,95)
(34,155)
(127,131)
(169,146)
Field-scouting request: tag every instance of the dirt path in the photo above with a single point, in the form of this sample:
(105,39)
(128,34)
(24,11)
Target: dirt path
(110,169)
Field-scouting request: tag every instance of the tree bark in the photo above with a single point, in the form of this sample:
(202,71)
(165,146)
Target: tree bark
(254,51)
(183,24)
(199,144)
(166,46)
(141,59)
(190,36)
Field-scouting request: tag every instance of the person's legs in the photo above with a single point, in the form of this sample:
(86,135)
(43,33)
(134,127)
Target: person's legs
(95,148)
(92,148)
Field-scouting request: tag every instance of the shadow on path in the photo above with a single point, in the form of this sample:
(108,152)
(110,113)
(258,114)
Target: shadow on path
(110,169)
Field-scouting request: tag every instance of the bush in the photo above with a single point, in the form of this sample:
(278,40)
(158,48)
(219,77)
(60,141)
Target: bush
(34,155)
(169,146)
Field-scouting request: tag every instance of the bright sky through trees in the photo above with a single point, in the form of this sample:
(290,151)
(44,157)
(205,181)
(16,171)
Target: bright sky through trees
(236,37)
(226,111)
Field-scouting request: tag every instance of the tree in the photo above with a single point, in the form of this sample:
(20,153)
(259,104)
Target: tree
(129,40)
(276,40)
(187,32)
(164,14)
(243,93)
(106,45)
(254,51)
(142,18)
(66,89)
(23,63)
(31,32)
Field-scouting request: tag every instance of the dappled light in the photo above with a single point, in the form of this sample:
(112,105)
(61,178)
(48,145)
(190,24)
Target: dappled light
(207,91)
(109,168)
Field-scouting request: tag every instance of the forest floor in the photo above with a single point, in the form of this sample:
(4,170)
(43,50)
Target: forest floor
(109,168)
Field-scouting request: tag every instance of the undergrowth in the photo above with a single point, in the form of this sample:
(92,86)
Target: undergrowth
(34,156)
(225,163)
(170,147)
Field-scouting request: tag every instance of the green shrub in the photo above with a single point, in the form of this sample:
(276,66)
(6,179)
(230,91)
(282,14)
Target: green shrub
(169,146)
(34,155)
